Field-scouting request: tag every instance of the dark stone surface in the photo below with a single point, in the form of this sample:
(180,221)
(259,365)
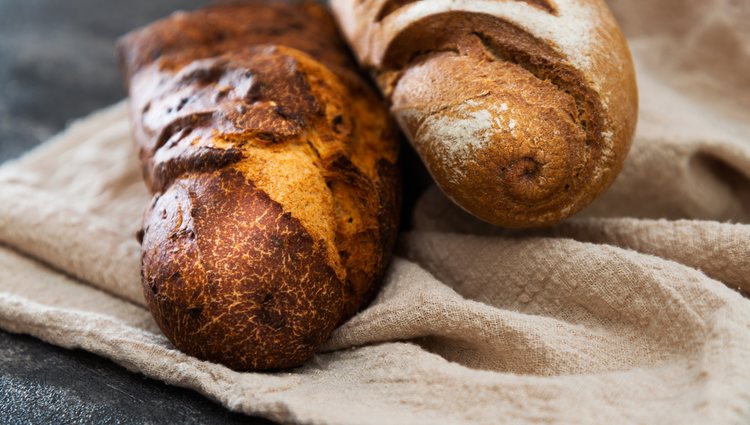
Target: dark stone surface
(57,61)
(57,64)
(43,384)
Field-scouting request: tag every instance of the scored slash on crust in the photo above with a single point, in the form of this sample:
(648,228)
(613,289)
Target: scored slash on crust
(391,6)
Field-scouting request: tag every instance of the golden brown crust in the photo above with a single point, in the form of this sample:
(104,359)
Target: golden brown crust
(274,172)
(523,113)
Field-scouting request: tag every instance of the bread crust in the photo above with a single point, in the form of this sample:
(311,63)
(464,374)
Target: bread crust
(273,168)
(523,111)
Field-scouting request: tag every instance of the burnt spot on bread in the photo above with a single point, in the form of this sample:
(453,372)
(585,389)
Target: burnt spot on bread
(267,290)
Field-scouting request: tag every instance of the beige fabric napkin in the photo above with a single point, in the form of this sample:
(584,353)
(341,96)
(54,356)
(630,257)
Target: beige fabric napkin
(627,314)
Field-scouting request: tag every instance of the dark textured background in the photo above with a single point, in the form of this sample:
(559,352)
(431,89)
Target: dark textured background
(57,64)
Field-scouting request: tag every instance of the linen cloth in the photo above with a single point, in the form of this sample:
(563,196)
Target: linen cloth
(630,313)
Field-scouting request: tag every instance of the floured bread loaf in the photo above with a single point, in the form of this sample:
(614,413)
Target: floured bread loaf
(273,168)
(522,110)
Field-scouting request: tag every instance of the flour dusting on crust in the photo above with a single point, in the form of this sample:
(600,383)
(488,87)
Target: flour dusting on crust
(572,29)
(469,127)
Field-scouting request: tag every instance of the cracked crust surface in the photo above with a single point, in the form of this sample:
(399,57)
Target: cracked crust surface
(273,168)
(523,111)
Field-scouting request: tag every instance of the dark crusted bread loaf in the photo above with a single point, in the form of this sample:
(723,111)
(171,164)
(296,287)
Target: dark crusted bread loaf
(522,110)
(273,168)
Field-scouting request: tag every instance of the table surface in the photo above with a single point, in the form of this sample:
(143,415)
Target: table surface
(57,64)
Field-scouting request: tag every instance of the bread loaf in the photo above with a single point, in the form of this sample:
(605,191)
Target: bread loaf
(522,110)
(273,168)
